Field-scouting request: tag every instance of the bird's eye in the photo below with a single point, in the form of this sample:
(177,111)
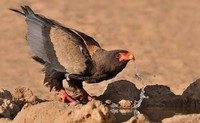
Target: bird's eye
(117,55)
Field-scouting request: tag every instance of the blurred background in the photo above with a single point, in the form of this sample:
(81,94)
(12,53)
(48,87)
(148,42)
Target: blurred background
(163,35)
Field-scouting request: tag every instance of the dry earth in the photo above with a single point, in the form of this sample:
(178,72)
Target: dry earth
(22,106)
(163,34)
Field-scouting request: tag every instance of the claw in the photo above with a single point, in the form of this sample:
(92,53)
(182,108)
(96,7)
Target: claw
(65,97)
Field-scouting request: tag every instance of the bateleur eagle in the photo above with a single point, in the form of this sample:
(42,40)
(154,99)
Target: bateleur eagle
(70,54)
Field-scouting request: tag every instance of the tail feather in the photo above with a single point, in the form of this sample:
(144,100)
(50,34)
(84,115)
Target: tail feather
(26,9)
(53,78)
(17,11)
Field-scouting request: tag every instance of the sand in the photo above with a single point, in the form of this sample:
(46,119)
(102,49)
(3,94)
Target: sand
(22,106)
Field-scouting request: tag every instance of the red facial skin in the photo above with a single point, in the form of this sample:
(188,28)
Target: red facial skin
(126,56)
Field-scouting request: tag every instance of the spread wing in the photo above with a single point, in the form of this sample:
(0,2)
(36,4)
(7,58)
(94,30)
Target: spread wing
(66,50)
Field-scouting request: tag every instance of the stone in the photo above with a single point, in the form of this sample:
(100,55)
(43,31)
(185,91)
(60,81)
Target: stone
(141,118)
(120,90)
(125,103)
(55,112)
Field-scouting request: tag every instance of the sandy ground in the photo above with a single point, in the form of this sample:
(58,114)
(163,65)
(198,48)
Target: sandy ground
(114,106)
(163,35)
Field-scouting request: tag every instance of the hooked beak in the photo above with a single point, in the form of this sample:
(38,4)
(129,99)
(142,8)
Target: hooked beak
(131,56)
(126,56)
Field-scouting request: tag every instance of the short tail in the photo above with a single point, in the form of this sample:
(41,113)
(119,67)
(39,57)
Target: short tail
(53,79)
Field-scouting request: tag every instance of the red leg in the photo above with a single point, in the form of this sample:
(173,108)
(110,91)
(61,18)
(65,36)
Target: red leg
(64,96)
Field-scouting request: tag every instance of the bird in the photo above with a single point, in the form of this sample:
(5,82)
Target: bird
(71,55)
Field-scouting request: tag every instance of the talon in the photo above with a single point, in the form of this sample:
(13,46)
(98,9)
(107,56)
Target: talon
(65,97)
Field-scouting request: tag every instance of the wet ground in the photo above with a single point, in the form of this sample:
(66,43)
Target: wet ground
(155,114)
(161,104)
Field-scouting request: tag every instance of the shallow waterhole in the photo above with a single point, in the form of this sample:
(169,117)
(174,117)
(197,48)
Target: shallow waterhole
(155,114)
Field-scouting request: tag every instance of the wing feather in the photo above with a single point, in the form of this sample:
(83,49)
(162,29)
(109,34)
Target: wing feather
(65,49)
(90,43)
(38,38)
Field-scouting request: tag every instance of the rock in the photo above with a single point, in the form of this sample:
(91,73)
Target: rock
(11,104)
(190,118)
(13,109)
(141,118)
(5,94)
(193,90)
(125,111)
(4,113)
(125,103)
(192,95)
(108,102)
(8,108)
(24,94)
(26,105)
(56,112)
(161,96)
(116,91)
(162,103)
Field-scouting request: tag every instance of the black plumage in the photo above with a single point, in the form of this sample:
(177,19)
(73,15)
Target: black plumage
(70,54)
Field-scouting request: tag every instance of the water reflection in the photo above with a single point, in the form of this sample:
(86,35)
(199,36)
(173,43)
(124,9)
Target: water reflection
(155,114)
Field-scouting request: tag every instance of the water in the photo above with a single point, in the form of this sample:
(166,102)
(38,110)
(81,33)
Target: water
(155,114)
(137,73)
(142,93)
